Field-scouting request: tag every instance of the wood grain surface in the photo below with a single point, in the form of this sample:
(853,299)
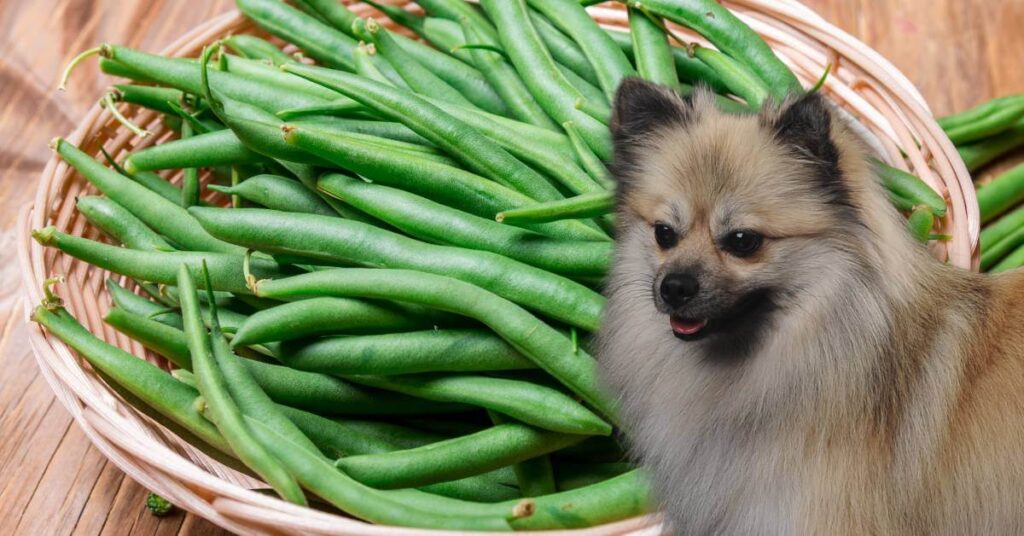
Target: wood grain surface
(958,52)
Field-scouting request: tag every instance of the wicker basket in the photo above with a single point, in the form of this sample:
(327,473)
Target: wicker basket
(893,113)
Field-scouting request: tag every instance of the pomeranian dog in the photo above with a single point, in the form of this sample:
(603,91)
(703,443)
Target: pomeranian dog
(788,359)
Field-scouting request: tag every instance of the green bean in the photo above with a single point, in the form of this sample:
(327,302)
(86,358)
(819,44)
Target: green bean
(158,337)
(171,401)
(252,401)
(220,406)
(323,316)
(184,74)
(402,17)
(115,68)
(337,438)
(419,78)
(624,496)
(506,82)
(362,60)
(151,181)
(730,35)
(457,10)
(135,304)
(446,350)
(1011,262)
(381,129)
(563,50)
(152,97)
(1004,192)
(153,210)
(1001,228)
(173,404)
(901,203)
(533,473)
(609,63)
(307,390)
(252,47)
(594,102)
(339,240)
(455,458)
(190,175)
(980,153)
(909,186)
(219,148)
(457,74)
(581,206)
(741,80)
(547,151)
(540,73)
(651,50)
(617,498)
(577,475)
(530,403)
(920,222)
(155,266)
(321,42)
(318,475)
(689,69)
(449,185)
(278,193)
(545,346)
(998,121)
(450,134)
(979,113)
(331,12)
(521,139)
(260,71)
(594,167)
(433,222)
(345,438)
(120,224)
(412,149)
(996,252)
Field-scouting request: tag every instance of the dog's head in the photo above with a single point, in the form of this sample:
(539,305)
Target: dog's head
(726,216)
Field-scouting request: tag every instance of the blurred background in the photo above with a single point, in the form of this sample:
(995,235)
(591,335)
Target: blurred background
(957,52)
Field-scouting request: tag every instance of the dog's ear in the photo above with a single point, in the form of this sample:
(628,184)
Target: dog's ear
(641,108)
(806,125)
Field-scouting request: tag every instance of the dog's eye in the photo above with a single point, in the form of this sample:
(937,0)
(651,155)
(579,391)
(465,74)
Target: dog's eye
(742,243)
(665,236)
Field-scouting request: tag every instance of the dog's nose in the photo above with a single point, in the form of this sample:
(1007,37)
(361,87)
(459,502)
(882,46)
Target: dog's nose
(677,289)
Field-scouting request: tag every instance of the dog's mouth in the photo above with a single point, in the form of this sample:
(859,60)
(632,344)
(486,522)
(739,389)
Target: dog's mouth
(738,323)
(688,329)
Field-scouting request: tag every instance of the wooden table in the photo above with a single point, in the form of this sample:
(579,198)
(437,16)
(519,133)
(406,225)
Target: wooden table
(958,52)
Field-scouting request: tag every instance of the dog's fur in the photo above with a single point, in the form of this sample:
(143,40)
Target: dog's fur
(850,383)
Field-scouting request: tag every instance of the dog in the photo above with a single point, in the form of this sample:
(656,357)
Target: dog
(787,358)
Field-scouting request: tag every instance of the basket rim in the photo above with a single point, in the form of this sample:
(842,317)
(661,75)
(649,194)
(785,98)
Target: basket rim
(128,439)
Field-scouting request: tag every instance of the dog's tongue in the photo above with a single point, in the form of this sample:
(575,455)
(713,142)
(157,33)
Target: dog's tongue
(687,327)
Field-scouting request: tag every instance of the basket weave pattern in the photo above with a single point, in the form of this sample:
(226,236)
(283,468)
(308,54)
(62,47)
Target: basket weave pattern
(877,95)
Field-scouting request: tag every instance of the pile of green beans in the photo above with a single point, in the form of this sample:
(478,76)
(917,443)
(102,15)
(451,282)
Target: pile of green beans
(985,135)
(395,312)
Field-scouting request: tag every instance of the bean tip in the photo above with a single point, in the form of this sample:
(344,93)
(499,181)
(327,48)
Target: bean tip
(524,508)
(55,143)
(287,130)
(51,301)
(45,235)
(129,166)
(500,217)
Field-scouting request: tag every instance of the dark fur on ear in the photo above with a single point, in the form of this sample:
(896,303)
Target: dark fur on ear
(641,108)
(805,125)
